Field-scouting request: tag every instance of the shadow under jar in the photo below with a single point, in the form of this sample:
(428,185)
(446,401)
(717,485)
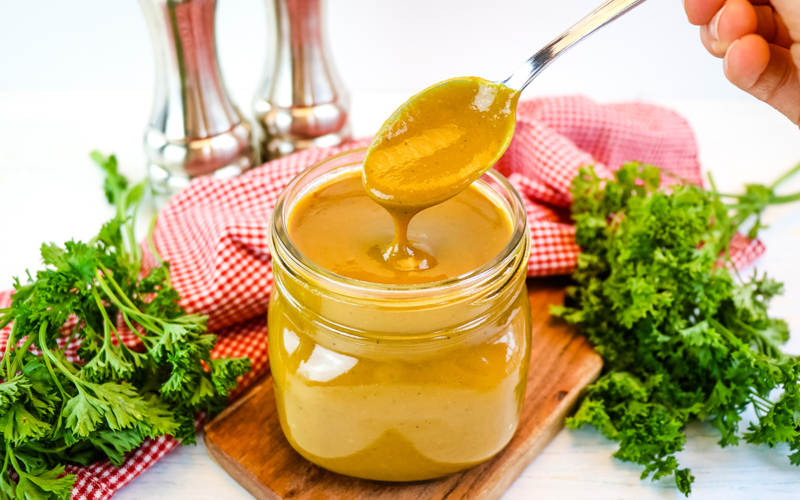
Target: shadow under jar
(398,382)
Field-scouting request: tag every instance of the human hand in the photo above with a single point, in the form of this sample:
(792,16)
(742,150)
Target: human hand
(760,43)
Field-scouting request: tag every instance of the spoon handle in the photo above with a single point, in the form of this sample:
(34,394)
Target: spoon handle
(601,16)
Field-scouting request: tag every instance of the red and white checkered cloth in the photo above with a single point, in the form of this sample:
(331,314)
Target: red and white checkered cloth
(215,232)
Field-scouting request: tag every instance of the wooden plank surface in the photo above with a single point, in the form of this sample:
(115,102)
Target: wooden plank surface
(246,439)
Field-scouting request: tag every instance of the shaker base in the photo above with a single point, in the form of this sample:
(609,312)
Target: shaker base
(279,146)
(165,184)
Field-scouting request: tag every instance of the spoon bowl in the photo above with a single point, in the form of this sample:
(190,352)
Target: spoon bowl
(439,142)
(443,138)
(447,136)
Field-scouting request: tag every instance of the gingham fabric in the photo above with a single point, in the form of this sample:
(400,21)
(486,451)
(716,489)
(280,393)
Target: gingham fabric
(214,233)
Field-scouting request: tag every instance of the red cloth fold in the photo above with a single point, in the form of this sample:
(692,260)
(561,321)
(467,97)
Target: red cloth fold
(215,232)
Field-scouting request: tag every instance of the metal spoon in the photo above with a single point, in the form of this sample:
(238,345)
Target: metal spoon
(448,135)
(601,16)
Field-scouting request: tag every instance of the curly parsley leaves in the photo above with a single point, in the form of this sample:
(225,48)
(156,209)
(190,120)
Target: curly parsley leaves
(682,336)
(55,412)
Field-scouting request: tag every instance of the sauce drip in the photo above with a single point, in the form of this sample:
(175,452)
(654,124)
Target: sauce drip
(341,229)
(431,148)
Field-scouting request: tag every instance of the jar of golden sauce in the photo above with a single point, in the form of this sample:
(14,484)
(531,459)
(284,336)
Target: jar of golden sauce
(390,376)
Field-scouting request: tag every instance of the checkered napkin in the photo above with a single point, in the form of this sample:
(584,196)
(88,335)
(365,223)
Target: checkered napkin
(215,232)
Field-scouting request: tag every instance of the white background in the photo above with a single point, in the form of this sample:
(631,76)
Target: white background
(76,75)
(377,45)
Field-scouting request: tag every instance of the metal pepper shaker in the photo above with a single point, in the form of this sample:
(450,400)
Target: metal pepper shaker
(195,129)
(301,102)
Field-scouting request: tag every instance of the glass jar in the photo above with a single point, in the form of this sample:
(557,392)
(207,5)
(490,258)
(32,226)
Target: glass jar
(398,382)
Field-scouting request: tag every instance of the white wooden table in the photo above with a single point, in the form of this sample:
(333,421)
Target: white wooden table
(51,191)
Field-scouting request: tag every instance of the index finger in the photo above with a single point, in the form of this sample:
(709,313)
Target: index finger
(700,12)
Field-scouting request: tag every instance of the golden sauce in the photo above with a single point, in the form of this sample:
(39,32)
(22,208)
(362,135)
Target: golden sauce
(341,229)
(400,411)
(432,148)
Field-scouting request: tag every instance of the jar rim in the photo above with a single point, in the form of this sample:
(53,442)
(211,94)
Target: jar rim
(284,249)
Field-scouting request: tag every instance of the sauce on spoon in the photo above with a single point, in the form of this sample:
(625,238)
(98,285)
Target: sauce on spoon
(433,147)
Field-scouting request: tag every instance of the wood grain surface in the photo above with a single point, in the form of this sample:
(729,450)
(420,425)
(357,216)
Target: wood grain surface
(246,439)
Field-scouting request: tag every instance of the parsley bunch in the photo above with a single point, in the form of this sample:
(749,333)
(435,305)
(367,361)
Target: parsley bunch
(55,412)
(682,336)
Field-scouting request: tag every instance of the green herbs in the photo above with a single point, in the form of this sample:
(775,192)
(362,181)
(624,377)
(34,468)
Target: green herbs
(682,337)
(53,411)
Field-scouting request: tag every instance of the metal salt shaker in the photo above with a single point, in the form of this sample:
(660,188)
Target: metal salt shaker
(195,129)
(301,102)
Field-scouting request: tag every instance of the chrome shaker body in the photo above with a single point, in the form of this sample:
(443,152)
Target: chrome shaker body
(195,129)
(301,102)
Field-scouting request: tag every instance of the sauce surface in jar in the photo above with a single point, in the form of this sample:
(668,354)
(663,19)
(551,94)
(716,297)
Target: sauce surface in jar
(341,229)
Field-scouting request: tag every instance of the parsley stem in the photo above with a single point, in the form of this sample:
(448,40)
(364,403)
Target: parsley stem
(10,454)
(130,325)
(75,380)
(136,252)
(71,336)
(108,326)
(22,351)
(106,320)
(7,316)
(777,200)
(713,184)
(46,356)
(53,374)
(7,353)
(120,303)
(152,245)
(785,176)
(147,321)
(32,445)
(121,218)
(756,398)
(139,315)
(775,350)
(5,461)
(123,298)
(733,339)
(759,406)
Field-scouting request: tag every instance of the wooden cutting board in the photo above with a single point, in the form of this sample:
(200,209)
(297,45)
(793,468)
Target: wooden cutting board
(246,439)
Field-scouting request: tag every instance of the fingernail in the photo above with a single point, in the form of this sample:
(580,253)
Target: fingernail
(714,24)
(725,59)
